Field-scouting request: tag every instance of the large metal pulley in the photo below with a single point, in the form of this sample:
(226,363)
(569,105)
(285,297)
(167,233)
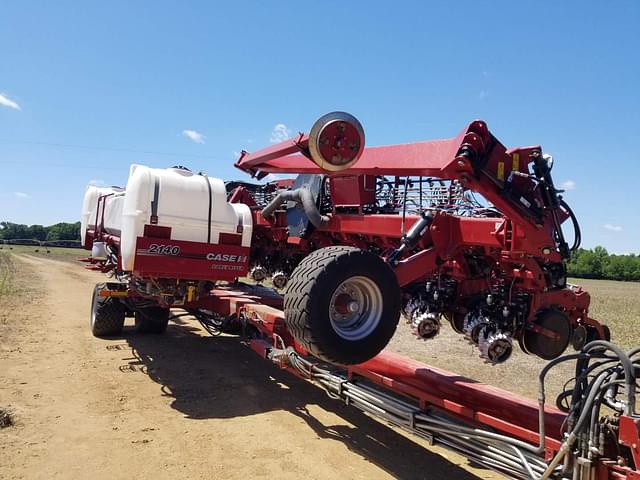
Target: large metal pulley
(336,141)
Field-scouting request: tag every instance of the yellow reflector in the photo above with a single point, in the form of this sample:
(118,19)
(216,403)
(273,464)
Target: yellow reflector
(112,293)
(191,290)
(515,165)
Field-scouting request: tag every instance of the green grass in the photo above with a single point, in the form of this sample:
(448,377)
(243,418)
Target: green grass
(57,253)
(6,273)
(14,280)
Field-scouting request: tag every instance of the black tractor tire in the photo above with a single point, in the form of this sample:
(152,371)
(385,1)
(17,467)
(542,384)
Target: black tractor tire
(151,320)
(353,333)
(107,314)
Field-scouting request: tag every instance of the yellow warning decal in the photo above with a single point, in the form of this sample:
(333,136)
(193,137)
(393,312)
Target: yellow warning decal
(500,170)
(515,162)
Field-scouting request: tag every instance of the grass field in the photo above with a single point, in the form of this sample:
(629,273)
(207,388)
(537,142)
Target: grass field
(17,283)
(6,273)
(57,253)
(616,304)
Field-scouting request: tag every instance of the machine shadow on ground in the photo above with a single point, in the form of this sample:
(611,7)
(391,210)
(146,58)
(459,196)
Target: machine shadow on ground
(218,377)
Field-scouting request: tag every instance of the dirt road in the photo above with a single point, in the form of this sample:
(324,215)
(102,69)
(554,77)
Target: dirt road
(180,405)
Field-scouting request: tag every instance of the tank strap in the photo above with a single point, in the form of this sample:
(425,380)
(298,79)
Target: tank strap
(154,203)
(206,179)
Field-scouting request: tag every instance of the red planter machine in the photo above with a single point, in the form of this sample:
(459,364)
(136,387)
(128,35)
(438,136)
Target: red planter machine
(494,268)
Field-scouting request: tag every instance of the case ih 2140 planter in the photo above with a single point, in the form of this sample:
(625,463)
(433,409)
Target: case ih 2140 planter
(361,236)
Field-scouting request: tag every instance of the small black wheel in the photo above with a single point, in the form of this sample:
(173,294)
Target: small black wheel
(151,320)
(107,314)
(342,304)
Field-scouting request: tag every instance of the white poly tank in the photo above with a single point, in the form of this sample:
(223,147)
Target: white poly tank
(90,206)
(179,199)
(113,209)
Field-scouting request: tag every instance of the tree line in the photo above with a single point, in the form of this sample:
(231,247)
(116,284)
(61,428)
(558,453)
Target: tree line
(597,263)
(52,233)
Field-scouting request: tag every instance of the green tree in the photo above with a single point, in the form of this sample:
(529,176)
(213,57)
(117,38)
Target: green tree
(586,263)
(37,232)
(597,263)
(12,231)
(622,267)
(59,231)
(64,231)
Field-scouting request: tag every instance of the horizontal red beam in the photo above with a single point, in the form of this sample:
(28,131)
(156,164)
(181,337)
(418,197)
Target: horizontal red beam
(249,161)
(429,158)
(380,225)
(518,416)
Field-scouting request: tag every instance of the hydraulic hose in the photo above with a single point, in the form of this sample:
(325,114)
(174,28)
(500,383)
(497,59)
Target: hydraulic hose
(577,239)
(302,196)
(628,367)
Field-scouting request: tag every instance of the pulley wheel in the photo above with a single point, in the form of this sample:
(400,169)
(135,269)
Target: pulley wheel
(544,346)
(336,141)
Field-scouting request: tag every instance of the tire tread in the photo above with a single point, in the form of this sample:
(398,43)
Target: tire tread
(109,315)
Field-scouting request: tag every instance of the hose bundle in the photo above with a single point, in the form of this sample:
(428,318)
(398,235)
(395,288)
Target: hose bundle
(604,373)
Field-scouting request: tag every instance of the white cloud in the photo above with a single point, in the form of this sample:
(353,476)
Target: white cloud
(612,228)
(279,133)
(22,195)
(568,185)
(483,94)
(5,101)
(193,135)
(97,183)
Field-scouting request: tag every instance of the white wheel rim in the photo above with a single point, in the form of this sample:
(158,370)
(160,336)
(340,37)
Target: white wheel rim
(93,309)
(355,308)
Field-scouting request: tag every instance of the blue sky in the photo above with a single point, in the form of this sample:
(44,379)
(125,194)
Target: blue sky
(133,77)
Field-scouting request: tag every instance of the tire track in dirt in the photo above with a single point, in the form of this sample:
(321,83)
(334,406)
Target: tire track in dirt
(178,405)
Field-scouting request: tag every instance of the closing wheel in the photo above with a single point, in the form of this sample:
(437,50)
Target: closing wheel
(151,320)
(336,141)
(342,304)
(107,314)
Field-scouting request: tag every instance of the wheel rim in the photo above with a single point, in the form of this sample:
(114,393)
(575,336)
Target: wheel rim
(355,308)
(93,308)
(336,141)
